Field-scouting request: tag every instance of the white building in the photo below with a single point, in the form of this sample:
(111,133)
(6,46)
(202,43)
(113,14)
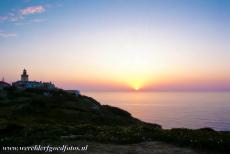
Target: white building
(24,83)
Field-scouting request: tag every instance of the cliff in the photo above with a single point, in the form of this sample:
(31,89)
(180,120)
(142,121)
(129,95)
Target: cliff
(45,117)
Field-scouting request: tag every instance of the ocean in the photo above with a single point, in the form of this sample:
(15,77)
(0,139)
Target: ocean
(173,109)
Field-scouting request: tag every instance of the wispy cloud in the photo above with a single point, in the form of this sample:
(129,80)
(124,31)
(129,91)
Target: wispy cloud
(18,15)
(13,16)
(30,22)
(37,20)
(57,5)
(3,18)
(32,10)
(7,34)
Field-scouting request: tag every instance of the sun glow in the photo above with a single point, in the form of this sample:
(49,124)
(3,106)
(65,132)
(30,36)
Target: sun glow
(136,82)
(136,86)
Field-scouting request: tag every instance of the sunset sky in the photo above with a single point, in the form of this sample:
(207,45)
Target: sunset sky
(117,44)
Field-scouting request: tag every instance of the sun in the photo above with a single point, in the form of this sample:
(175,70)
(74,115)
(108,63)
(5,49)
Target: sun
(136,87)
(136,84)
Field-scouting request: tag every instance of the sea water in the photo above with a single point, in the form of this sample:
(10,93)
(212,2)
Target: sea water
(173,109)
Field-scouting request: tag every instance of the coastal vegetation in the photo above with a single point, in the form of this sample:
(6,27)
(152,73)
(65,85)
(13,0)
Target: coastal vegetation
(36,116)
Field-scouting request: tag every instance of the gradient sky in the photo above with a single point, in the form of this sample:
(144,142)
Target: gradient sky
(117,44)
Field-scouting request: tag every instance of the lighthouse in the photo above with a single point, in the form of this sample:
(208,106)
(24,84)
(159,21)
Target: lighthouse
(24,76)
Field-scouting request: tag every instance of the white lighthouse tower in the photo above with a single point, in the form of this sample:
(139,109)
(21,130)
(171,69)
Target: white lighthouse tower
(24,76)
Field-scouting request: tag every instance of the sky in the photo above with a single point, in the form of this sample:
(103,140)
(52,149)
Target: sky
(117,45)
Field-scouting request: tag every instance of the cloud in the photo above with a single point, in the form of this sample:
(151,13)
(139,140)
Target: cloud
(37,20)
(53,5)
(3,18)
(30,22)
(32,10)
(19,15)
(13,16)
(7,34)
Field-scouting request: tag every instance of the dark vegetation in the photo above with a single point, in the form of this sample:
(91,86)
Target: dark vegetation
(36,116)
